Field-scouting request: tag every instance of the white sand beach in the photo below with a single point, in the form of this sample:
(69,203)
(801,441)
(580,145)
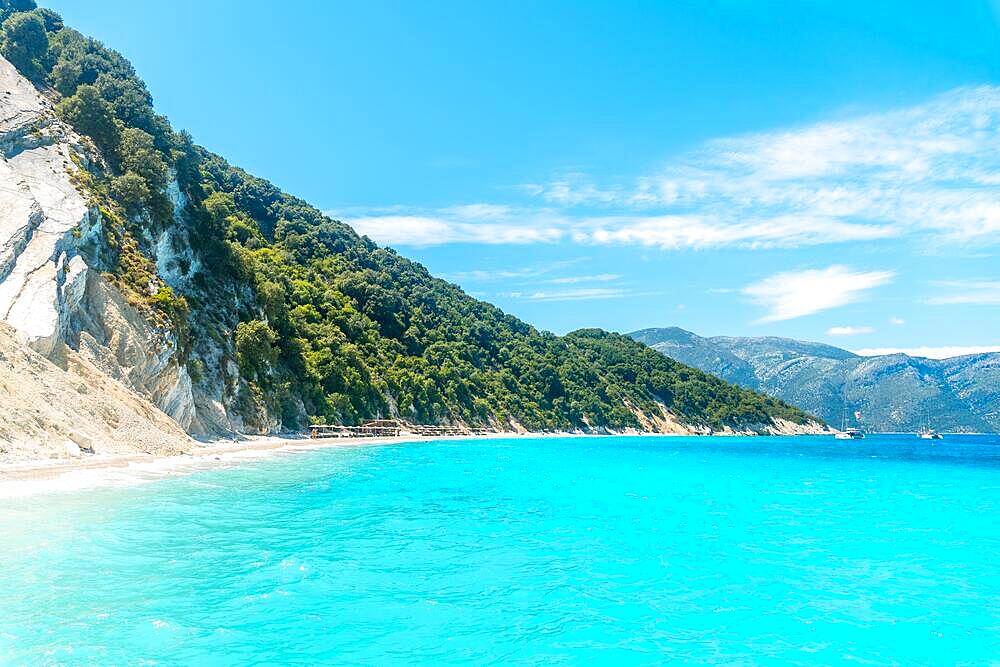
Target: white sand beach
(60,474)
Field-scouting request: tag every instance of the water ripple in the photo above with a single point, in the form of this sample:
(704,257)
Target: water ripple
(618,551)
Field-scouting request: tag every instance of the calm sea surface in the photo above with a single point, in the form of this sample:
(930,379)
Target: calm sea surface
(645,550)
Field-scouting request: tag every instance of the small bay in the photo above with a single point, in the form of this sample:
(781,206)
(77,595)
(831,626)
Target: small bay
(613,550)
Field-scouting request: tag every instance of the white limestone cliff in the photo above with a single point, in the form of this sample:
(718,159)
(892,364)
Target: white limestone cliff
(39,209)
(49,293)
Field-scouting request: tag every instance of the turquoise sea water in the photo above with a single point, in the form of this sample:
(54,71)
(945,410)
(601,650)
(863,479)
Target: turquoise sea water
(700,551)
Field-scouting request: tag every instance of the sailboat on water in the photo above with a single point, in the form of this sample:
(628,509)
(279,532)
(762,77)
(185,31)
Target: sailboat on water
(926,432)
(851,433)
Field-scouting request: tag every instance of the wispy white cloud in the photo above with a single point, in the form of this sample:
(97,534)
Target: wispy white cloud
(798,293)
(944,352)
(849,331)
(676,232)
(573,189)
(538,275)
(423,231)
(516,273)
(897,321)
(572,280)
(968,291)
(480,212)
(668,232)
(581,294)
(929,170)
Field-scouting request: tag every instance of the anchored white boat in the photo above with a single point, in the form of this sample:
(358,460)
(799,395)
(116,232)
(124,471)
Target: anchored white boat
(849,433)
(929,434)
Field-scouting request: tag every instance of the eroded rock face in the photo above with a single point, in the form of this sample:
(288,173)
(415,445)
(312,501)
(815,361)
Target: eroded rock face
(72,409)
(39,209)
(48,292)
(117,339)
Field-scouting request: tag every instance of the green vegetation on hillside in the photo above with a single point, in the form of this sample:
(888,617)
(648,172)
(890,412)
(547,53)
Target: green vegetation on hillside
(321,323)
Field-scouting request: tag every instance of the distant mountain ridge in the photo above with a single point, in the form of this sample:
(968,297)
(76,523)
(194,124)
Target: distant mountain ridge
(893,392)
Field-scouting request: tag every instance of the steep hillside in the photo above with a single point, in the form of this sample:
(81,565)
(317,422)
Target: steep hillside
(892,392)
(234,306)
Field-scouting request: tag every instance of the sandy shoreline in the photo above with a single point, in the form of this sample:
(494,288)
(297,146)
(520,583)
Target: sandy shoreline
(30,477)
(51,475)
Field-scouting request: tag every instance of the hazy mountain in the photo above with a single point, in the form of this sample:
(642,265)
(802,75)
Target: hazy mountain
(894,392)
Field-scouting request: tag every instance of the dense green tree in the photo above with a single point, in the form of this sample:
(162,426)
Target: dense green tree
(255,352)
(220,206)
(131,102)
(51,20)
(90,114)
(9,7)
(25,43)
(131,190)
(136,153)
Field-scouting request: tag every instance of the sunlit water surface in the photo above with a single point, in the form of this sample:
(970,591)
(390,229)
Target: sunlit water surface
(583,550)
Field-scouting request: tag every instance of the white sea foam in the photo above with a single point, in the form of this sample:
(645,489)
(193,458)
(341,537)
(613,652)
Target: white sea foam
(119,472)
(132,474)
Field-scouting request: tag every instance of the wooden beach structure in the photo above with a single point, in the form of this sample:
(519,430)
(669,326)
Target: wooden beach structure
(389,428)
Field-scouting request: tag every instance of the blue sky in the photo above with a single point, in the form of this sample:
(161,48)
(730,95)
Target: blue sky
(822,170)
